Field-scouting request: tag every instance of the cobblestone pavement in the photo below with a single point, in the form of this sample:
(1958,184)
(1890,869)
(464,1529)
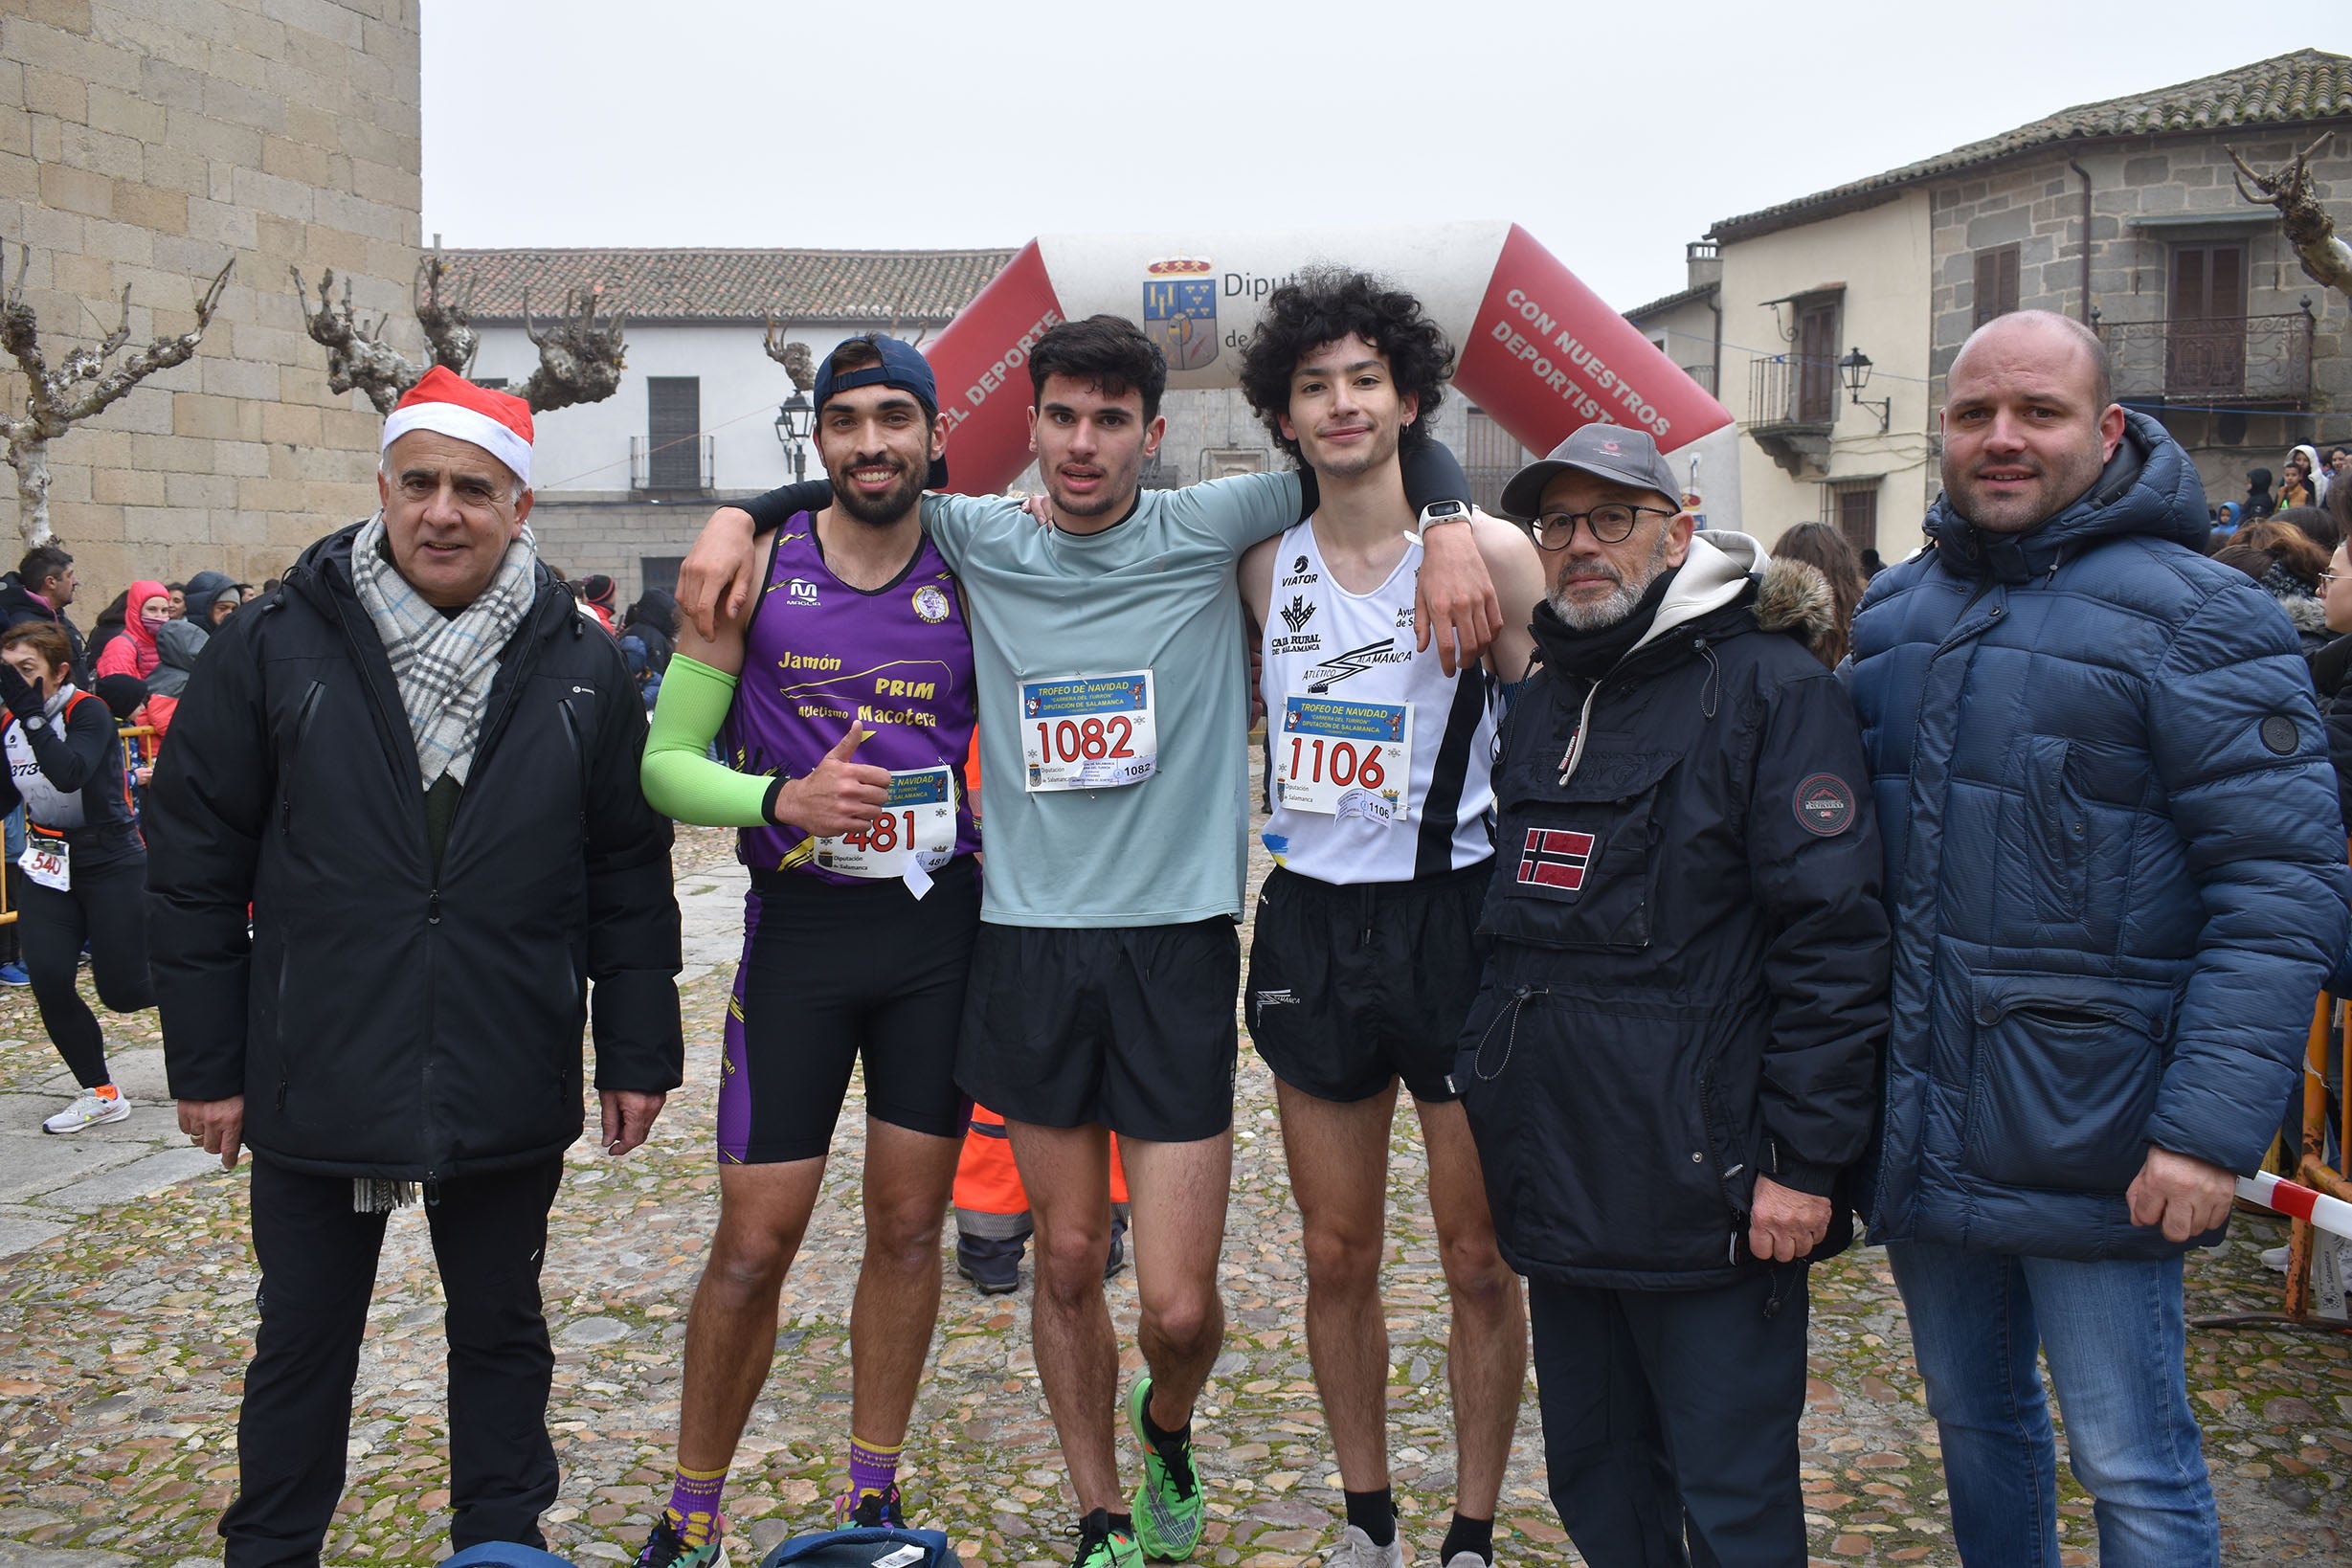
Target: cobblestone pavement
(123,1340)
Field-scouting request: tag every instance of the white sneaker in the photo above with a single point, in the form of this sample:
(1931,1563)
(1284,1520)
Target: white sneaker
(2274,1258)
(1356,1551)
(88,1112)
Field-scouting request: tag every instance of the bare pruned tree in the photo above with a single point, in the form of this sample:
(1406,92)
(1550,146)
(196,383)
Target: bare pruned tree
(795,356)
(581,354)
(796,359)
(79,387)
(2323,253)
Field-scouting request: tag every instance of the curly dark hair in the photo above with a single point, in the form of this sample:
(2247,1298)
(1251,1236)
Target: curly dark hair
(1110,353)
(1325,305)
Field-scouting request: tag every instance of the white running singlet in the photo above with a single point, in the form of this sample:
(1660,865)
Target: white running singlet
(1382,763)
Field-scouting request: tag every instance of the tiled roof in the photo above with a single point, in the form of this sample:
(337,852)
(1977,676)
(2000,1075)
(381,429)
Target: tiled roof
(733,285)
(1670,301)
(2291,90)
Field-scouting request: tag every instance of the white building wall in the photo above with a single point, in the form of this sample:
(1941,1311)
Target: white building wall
(1883,255)
(586,447)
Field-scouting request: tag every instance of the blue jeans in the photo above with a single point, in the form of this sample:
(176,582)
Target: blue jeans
(2116,1346)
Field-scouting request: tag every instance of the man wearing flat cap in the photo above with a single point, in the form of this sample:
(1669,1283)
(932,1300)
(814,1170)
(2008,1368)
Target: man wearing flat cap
(1673,1057)
(418,767)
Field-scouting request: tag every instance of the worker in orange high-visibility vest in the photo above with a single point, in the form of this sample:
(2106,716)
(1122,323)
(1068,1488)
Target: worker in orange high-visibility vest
(992,1209)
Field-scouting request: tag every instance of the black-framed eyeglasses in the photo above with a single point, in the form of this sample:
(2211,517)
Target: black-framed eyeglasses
(1611,524)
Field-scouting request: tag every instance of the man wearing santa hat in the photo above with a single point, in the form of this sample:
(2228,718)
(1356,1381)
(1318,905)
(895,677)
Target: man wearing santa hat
(418,767)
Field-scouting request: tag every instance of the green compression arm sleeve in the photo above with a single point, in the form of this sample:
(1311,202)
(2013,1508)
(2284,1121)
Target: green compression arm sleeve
(681,780)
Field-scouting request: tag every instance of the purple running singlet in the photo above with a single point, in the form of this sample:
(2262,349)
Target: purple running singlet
(820,654)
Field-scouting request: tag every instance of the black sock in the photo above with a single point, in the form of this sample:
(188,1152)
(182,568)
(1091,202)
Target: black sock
(1169,1443)
(1468,1534)
(1101,1522)
(1374,1514)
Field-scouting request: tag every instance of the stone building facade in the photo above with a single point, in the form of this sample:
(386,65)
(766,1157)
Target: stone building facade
(2120,214)
(2265,364)
(142,144)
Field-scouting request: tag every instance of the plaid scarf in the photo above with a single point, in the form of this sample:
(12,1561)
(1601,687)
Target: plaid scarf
(444,665)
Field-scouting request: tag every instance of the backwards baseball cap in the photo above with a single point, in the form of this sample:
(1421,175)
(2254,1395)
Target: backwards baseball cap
(444,401)
(1610,452)
(904,367)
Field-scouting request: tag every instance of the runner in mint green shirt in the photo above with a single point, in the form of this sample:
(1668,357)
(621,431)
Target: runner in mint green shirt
(1115,708)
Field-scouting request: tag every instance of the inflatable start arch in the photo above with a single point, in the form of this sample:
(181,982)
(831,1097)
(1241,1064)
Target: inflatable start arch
(1535,349)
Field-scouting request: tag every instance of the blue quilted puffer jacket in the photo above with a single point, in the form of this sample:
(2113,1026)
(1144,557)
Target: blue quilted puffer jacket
(2115,863)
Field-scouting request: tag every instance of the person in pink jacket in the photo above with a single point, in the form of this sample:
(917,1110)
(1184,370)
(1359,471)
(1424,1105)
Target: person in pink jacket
(133,653)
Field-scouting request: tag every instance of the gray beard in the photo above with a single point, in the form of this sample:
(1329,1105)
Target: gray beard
(1585,616)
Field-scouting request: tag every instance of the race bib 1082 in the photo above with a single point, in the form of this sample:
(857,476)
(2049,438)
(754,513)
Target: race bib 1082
(1088,731)
(1345,759)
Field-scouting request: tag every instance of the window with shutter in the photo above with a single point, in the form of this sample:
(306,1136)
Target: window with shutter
(1817,360)
(2204,344)
(1852,505)
(673,431)
(1489,455)
(1996,282)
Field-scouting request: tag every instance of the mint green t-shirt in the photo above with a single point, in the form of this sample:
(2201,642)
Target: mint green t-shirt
(1154,593)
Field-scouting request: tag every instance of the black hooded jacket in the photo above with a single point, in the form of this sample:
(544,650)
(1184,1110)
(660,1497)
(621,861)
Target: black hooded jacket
(1689,985)
(19,604)
(389,1015)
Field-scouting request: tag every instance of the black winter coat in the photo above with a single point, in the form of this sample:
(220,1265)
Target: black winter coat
(387,1017)
(18,605)
(1690,977)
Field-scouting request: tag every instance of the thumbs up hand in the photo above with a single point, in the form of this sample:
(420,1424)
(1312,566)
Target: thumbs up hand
(841,796)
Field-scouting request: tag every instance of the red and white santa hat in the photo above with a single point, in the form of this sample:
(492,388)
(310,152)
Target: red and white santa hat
(444,401)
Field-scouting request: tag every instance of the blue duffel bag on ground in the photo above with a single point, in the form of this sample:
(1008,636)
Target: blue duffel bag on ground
(878,1547)
(506,1554)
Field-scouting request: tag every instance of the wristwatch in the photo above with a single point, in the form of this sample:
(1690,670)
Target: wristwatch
(1440,511)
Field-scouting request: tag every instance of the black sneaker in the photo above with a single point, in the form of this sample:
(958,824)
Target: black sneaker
(663,1549)
(992,1264)
(1117,1264)
(879,1509)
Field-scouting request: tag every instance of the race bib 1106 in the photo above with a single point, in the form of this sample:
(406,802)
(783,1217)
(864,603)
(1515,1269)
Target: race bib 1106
(1088,731)
(917,827)
(1345,759)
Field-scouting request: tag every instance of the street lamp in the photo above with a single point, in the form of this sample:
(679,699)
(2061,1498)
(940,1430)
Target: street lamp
(793,422)
(1856,368)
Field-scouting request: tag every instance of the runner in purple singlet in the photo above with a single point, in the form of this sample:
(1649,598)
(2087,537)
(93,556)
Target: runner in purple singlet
(842,703)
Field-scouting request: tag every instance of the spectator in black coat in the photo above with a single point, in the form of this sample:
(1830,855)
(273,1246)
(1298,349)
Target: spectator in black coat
(420,769)
(1673,1060)
(40,589)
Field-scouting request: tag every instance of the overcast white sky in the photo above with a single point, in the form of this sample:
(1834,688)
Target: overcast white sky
(1613,133)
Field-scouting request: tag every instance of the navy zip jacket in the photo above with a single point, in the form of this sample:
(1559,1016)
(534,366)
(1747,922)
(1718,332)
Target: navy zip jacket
(393,1013)
(1688,984)
(2115,863)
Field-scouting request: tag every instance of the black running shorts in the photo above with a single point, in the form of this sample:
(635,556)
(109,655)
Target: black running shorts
(1127,1027)
(830,974)
(1351,986)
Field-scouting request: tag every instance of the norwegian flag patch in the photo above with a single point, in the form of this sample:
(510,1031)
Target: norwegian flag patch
(1554,858)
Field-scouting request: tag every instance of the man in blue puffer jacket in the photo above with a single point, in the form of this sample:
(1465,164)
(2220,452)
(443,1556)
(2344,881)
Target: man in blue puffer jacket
(2115,877)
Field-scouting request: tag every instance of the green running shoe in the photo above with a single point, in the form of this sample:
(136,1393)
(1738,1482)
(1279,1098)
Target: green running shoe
(1167,1506)
(1099,1546)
